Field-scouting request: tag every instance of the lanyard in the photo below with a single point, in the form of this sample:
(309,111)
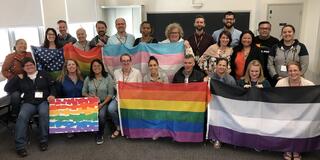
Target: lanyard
(95,85)
(196,40)
(123,76)
(119,39)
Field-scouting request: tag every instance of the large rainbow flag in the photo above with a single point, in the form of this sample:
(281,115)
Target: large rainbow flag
(169,55)
(69,115)
(84,58)
(152,110)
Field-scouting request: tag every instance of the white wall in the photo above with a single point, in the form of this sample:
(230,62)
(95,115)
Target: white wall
(53,11)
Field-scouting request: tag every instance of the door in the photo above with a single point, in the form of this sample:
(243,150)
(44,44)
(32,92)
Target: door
(282,14)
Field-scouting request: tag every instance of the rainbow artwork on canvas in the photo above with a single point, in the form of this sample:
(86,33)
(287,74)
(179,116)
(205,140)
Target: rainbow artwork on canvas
(71,115)
(153,110)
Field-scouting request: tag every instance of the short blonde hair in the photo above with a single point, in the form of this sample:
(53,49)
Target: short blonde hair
(247,78)
(172,26)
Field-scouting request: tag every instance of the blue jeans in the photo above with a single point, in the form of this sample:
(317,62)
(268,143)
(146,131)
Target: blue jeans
(102,120)
(15,100)
(113,111)
(27,110)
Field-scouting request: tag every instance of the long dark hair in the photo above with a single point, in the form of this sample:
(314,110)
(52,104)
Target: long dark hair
(46,41)
(240,45)
(103,72)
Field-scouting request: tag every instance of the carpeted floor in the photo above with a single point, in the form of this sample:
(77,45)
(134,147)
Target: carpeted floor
(83,147)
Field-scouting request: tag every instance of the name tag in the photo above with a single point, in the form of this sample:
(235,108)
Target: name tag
(186,80)
(283,68)
(38,95)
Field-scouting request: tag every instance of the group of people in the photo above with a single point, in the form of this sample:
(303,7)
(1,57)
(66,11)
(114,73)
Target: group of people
(228,55)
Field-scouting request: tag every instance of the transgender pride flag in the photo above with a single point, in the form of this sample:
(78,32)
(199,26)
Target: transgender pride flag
(277,119)
(153,110)
(169,55)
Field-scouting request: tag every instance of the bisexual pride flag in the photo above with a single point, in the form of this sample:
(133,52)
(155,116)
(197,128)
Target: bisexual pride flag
(49,60)
(69,115)
(170,56)
(153,110)
(83,58)
(278,119)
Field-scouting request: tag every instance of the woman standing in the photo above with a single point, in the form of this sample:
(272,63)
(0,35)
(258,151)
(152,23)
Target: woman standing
(174,33)
(51,40)
(222,49)
(294,79)
(12,66)
(155,74)
(99,84)
(245,52)
(288,49)
(146,30)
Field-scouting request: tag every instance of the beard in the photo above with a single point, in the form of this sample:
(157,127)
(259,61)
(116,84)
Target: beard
(228,25)
(101,33)
(199,28)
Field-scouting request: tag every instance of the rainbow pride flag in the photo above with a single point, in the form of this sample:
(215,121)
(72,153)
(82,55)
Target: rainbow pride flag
(153,110)
(69,115)
(84,58)
(169,55)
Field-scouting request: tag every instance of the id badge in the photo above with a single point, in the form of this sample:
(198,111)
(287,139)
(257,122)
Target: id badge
(38,94)
(283,68)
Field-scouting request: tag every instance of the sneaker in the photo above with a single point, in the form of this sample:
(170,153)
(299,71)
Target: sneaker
(22,152)
(99,140)
(43,146)
(217,145)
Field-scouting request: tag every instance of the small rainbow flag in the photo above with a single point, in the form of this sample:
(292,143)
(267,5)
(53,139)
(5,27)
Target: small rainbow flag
(84,58)
(153,110)
(69,115)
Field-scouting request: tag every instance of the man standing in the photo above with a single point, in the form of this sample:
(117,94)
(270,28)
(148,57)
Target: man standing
(121,37)
(228,21)
(64,37)
(187,73)
(265,41)
(101,39)
(82,42)
(200,40)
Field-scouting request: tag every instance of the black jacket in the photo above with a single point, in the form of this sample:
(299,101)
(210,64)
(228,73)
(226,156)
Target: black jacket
(43,83)
(196,76)
(254,54)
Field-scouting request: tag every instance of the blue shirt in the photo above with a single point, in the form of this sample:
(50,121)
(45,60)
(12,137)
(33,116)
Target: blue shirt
(70,89)
(127,40)
(235,35)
